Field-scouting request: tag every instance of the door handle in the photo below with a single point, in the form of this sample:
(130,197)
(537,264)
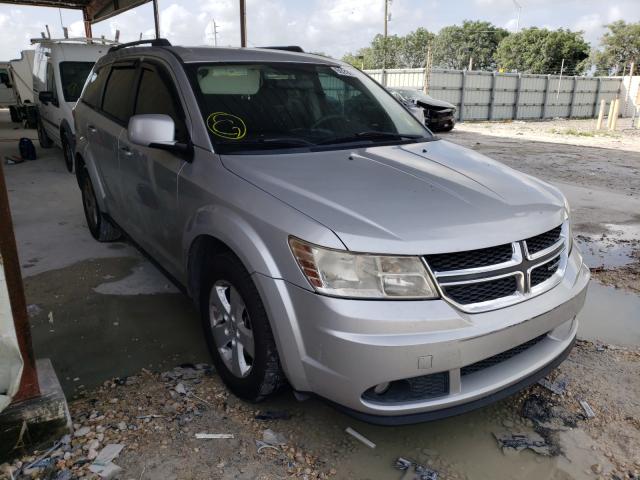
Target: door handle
(126,151)
(92,129)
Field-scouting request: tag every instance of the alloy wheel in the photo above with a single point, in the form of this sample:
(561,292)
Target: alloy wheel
(231,327)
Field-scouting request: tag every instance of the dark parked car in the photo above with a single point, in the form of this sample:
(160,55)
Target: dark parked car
(438,114)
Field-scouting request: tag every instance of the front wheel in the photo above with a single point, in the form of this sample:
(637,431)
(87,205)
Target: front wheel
(99,225)
(237,330)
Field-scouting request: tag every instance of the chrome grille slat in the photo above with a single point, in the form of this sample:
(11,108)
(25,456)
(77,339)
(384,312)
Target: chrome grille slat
(483,287)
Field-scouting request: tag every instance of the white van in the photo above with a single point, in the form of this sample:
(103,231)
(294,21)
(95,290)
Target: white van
(60,69)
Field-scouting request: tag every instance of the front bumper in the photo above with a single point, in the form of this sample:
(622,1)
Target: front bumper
(340,348)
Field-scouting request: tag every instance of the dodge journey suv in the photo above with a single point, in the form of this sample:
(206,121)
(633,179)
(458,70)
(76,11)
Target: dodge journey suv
(328,239)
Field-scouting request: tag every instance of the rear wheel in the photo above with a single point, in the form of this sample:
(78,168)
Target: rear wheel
(99,225)
(237,330)
(67,150)
(43,138)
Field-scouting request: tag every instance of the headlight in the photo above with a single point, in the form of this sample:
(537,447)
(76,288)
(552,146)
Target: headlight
(346,274)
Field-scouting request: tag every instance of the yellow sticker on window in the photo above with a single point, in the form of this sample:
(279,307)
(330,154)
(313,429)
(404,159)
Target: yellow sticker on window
(227,126)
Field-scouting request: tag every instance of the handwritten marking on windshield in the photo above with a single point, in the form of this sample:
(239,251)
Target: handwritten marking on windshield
(226,125)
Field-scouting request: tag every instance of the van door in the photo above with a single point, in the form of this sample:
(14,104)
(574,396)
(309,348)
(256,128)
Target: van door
(105,128)
(150,175)
(50,112)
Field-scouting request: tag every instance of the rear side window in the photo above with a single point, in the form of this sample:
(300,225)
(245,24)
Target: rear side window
(72,77)
(93,91)
(157,95)
(118,93)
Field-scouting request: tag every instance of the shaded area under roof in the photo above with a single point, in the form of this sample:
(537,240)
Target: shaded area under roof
(94,10)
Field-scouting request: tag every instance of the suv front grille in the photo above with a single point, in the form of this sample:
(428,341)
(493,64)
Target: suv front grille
(482,291)
(500,357)
(544,240)
(446,262)
(495,277)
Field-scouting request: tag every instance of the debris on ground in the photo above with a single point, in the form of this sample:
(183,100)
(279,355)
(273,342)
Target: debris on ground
(522,441)
(361,438)
(214,436)
(272,438)
(415,471)
(587,409)
(273,415)
(559,387)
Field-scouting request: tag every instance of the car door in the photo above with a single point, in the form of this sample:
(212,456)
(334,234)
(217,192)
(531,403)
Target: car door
(105,127)
(50,112)
(150,175)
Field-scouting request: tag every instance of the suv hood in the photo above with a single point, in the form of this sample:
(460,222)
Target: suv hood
(432,197)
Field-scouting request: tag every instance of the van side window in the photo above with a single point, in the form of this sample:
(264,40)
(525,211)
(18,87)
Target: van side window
(118,93)
(51,83)
(157,95)
(93,91)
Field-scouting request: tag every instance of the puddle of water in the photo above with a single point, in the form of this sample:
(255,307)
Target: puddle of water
(610,316)
(605,253)
(96,336)
(612,249)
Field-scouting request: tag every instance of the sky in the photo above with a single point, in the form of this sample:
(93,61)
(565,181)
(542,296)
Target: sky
(330,26)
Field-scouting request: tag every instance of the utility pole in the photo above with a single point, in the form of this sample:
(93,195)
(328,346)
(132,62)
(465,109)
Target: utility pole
(156,18)
(470,63)
(214,30)
(384,44)
(243,24)
(427,70)
(560,79)
(518,10)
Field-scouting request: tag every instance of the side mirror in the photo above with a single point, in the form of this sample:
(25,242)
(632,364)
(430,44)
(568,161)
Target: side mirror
(45,97)
(147,130)
(157,131)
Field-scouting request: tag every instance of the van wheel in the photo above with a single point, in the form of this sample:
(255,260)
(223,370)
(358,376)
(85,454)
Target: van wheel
(68,152)
(43,138)
(237,330)
(99,225)
(13,111)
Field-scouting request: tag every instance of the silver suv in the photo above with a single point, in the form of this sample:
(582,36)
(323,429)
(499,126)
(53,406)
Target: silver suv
(327,237)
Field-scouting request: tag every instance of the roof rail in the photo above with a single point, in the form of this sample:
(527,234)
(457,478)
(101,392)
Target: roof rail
(288,48)
(154,42)
(78,40)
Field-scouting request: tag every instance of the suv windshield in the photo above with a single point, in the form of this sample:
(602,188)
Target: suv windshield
(72,77)
(253,107)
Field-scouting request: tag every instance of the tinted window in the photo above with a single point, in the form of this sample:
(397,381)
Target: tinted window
(51,84)
(156,95)
(72,77)
(117,95)
(93,89)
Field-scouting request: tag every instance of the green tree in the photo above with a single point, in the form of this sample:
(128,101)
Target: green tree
(456,44)
(394,52)
(538,50)
(620,47)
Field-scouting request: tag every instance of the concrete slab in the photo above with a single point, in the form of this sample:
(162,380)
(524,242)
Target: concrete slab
(38,422)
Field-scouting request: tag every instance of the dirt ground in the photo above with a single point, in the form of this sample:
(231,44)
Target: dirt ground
(116,329)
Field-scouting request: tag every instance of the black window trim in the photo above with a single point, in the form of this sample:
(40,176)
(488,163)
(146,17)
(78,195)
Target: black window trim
(136,80)
(164,72)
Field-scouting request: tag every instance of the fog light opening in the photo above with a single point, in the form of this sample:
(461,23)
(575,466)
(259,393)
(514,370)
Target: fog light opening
(381,388)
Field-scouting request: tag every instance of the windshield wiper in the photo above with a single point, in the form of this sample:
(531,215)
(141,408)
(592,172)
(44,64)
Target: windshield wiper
(371,135)
(271,142)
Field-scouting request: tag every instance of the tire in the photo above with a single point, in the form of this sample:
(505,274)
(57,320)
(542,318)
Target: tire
(43,138)
(237,330)
(15,117)
(447,128)
(99,225)
(68,152)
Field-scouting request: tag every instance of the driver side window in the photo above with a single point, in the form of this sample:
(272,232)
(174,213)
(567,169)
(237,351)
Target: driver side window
(51,84)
